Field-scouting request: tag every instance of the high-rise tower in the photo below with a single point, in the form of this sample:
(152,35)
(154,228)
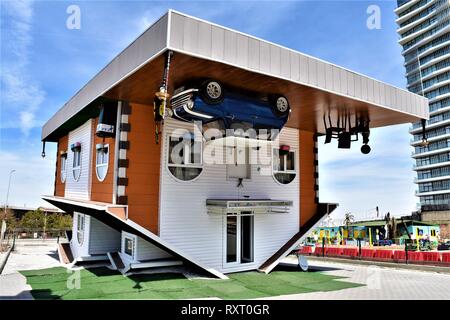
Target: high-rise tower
(423,26)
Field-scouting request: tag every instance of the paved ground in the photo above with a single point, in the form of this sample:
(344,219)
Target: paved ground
(381,283)
(29,255)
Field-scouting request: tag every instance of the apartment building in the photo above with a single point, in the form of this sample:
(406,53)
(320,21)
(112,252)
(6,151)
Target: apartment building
(424,29)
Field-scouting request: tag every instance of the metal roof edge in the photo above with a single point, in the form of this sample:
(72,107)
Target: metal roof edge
(290,49)
(45,134)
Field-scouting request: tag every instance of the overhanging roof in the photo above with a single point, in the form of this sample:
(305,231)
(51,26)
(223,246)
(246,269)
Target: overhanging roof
(373,223)
(203,49)
(378,223)
(103,212)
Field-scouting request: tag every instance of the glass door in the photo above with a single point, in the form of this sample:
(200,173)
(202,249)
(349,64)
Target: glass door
(246,238)
(231,239)
(239,238)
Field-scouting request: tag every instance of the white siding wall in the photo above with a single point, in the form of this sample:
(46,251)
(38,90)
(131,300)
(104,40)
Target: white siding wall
(184,220)
(147,251)
(98,238)
(103,238)
(80,250)
(80,189)
(143,249)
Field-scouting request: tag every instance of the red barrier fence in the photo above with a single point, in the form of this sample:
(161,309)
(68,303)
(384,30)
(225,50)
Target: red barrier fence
(305,250)
(431,256)
(350,252)
(446,257)
(319,251)
(399,255)
(367,253)
(334,251)
(384,254)
(415,256)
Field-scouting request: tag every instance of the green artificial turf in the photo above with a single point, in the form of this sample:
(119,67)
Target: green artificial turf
(102,283)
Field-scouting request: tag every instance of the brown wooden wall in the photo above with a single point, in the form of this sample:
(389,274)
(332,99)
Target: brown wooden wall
(308,205)
(102,190)
(60,186)
(144,168)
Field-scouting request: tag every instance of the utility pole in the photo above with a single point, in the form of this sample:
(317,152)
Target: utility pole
(3,224)
(45,226)
(7,192)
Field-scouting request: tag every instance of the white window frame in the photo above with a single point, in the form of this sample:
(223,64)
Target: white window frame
(78,167)
(284,170)
(63,173)
(97,165)
(238,261)
(81,226)
(133,238)
(186,158)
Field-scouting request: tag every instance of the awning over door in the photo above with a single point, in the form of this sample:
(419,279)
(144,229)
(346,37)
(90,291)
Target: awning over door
(263,206)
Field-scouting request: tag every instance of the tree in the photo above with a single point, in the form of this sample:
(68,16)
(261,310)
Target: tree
(10,219)
(33,220)
(59,221)
(348,218)
(37,219)
(394,229)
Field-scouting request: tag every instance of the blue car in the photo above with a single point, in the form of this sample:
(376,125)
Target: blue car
(222,109)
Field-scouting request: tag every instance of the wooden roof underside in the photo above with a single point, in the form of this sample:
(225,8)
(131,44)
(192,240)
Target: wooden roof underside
(308,104)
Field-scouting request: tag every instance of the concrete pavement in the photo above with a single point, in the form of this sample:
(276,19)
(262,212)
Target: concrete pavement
(14,286)
(28,255)
(31,255)
(380,283)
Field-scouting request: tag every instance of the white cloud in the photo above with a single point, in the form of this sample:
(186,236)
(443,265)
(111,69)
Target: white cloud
(360,182)
(149,17)
(34,176)
(21,94)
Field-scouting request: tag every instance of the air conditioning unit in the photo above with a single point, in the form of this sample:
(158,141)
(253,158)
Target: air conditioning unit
(104,130)
(107,120)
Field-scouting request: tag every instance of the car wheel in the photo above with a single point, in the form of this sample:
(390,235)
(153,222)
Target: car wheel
(280,106)
(212,92)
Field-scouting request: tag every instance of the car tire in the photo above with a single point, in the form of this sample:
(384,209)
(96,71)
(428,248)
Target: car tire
(212,92)
(280,105)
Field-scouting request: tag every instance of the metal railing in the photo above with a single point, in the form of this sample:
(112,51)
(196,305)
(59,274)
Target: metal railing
(39,233)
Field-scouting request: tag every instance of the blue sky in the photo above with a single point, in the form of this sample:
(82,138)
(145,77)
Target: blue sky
(43,64)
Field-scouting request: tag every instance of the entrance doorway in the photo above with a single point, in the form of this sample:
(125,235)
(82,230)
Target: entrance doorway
(239,238)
